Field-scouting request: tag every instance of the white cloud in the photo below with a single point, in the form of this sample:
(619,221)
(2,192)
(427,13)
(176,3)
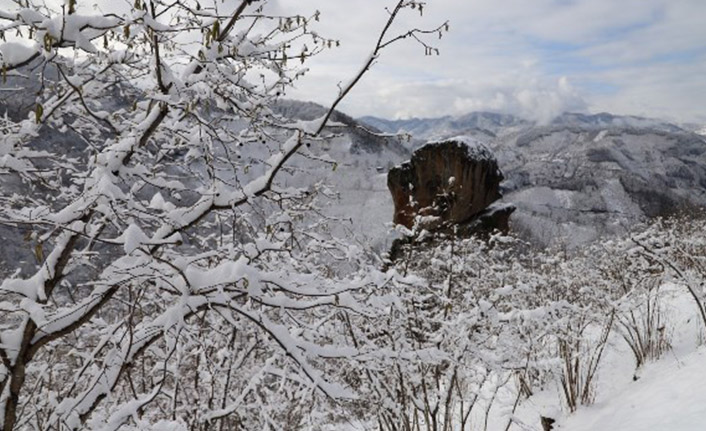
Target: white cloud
(669,91)
(641,57)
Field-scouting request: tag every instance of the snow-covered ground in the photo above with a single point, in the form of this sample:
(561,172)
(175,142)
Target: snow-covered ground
(668,394)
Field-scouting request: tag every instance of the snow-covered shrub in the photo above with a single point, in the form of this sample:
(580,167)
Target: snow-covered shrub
(678,245)
(484,305)
(514,320)
(179,282)
(640,315)
(575,336)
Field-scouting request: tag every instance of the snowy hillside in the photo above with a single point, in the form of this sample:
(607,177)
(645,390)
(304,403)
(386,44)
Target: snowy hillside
(581,176)
(578,178)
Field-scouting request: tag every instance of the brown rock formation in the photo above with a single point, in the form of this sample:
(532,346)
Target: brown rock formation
(448,183)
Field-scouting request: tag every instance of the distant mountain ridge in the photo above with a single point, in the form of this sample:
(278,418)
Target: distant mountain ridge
(490,123)
(475,123)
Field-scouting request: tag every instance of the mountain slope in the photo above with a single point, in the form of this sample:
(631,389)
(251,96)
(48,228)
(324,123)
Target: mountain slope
(582,176)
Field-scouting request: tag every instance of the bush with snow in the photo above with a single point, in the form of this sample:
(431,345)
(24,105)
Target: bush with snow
(178,283)
(513,321)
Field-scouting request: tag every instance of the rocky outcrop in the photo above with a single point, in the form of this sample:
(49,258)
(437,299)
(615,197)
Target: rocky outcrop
(447,185)
(583,177)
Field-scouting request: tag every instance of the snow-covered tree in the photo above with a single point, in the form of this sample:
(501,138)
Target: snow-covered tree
(177,285)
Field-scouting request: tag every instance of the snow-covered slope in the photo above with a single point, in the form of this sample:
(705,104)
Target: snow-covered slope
(664,395)
(669,395)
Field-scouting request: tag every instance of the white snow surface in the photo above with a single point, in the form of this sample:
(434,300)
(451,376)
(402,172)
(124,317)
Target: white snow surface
(16,52)
(664,395)
(475,148)
(670,395)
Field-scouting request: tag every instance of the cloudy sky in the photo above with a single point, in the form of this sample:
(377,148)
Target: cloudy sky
(535,58)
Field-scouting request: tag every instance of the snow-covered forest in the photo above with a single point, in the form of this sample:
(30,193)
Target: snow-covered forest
(171,260)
